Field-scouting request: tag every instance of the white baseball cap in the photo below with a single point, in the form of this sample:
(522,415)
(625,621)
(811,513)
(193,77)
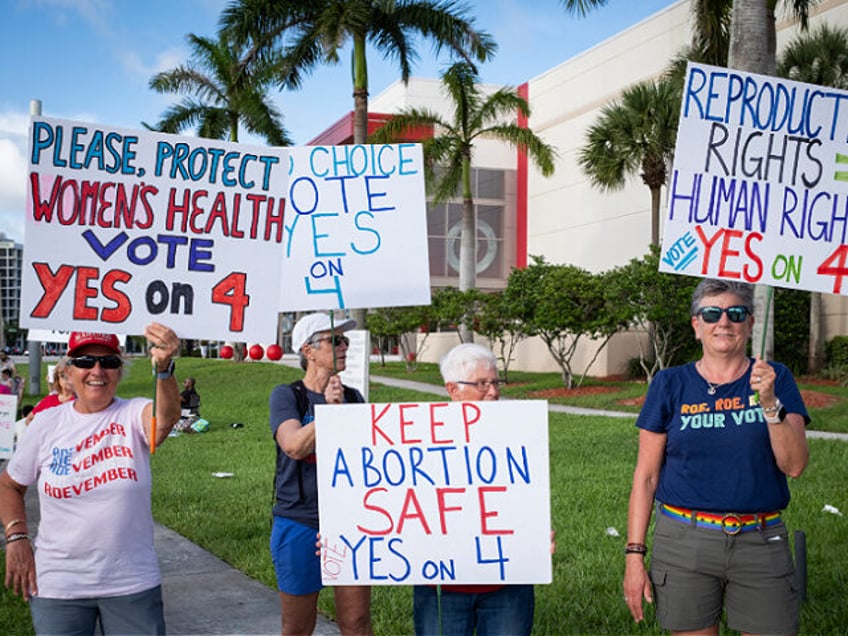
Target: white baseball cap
(311,324)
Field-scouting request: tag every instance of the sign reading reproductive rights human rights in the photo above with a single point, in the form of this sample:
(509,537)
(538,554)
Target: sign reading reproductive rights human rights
(435,492)
(125,227)
(759,189)
(356,228)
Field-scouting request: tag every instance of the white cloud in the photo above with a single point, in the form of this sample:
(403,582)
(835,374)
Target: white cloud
(12,174)
(14,128)
(134,63)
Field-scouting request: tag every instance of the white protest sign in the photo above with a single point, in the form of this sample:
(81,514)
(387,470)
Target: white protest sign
(759,189)
(62,337)
(436,492)
(356,228)
(8,410)
(124,227)
(358,359)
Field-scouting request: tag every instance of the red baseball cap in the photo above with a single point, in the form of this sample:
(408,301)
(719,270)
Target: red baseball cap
(80,339)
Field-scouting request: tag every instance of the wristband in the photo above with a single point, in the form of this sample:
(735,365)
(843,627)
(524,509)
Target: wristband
(13,522)
(774,408)
(17,537)
(167,373)
(777,419)
(636,548)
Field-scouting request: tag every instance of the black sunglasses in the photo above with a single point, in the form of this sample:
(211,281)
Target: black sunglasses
(88,362)
(737,313)
(337,340)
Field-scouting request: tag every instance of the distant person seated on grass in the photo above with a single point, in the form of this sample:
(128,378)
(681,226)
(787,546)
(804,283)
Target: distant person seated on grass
(189,399)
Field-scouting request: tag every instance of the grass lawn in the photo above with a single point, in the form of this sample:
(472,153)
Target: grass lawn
(591,462)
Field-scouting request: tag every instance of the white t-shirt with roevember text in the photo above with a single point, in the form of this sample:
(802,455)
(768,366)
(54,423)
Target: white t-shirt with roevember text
(95,537)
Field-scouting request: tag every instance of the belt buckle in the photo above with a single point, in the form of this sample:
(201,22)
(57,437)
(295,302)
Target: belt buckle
(731,517)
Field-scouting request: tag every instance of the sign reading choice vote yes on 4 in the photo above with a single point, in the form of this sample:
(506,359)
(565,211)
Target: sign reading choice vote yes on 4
(356,228)
(438,493)
(759,188)
(124,227)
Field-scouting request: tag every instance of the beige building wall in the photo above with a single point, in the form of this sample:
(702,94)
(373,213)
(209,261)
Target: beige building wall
(569,221)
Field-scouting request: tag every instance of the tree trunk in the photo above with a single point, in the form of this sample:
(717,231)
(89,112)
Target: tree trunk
(359,69)
(467,247)
(752,49)
(815,359)
(655,216)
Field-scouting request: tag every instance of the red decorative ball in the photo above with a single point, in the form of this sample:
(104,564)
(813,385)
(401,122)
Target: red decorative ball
(256,352)
(274,352)
(226,352)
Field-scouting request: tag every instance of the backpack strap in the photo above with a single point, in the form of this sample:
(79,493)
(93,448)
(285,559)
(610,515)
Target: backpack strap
(299,390)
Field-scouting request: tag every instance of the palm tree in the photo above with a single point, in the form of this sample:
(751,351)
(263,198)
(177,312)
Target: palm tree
(451,149)
(710,38)
(820,57)
(635,134)
(581,7)
(311,32)
(226,92)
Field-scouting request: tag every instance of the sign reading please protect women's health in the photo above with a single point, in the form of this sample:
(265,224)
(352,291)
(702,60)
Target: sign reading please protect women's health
(435,492)
(759,189)
(214,238)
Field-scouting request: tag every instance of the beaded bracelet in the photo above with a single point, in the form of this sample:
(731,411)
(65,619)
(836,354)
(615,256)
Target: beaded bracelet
(636,548)
(17,537)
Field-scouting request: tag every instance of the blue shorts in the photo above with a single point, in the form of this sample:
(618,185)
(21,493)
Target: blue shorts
(139,613)
(293,550)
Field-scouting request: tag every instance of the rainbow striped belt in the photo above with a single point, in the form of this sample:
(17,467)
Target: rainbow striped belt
(729,522)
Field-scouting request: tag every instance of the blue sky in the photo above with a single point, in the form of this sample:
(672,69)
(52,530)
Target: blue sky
(91,60)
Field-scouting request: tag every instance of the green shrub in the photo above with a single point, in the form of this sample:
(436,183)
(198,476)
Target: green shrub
(836,352)
(792,329)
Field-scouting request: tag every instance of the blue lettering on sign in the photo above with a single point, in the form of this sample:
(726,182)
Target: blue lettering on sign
(109,152)
(681,253)
(500,559)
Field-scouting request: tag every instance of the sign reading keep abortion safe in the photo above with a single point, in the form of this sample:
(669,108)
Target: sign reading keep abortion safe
(440,493)
(213,238)
(759,189)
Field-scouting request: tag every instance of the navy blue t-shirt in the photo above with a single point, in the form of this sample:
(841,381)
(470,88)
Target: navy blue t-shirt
(295,482)
(718,457)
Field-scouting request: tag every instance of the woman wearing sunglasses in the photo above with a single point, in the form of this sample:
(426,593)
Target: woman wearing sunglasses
(94,559)
(322,348)
(717,439)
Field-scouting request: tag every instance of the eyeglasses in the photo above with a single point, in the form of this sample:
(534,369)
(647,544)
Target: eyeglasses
(88,362)
(337,340)
(737,313)
(483,385)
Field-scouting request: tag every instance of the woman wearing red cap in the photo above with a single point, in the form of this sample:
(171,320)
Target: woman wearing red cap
(94,558)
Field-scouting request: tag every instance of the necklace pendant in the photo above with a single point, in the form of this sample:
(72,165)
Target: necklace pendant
(711,390)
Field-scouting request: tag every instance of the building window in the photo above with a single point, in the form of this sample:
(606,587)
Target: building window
(444,229)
